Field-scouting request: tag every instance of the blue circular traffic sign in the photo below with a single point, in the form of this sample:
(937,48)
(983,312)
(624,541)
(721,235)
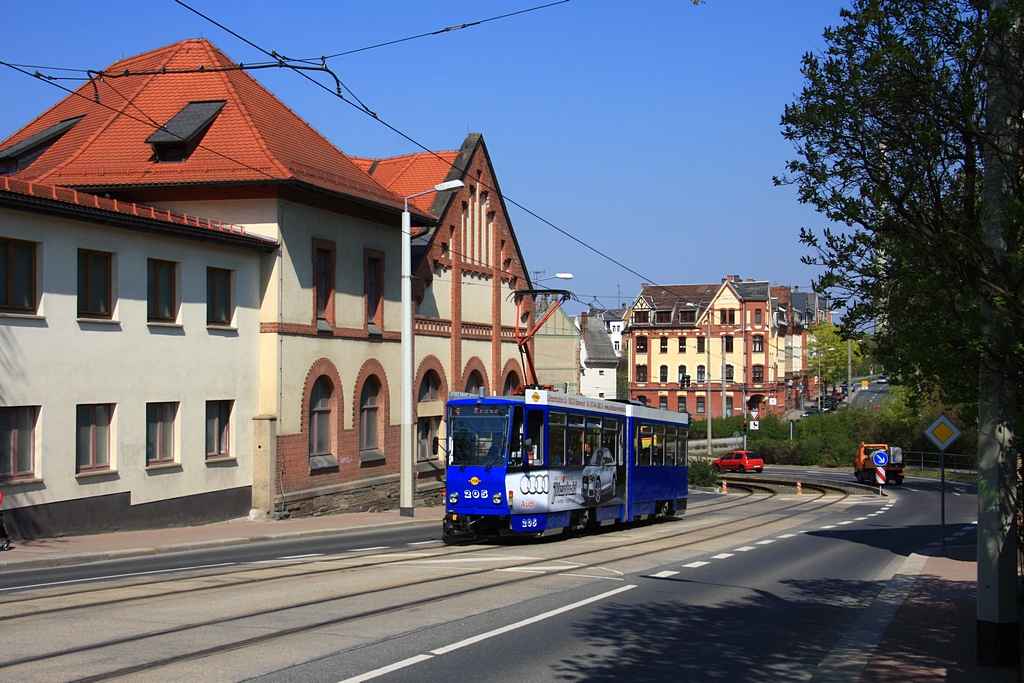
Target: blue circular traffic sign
(881,458)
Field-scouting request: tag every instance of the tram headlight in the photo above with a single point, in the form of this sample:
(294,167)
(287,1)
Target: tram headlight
(496,498)
(453,498)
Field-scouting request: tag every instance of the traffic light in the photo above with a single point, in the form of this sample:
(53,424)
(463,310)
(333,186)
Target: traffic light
(685,381)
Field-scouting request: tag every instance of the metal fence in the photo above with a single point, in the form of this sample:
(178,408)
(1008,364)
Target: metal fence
(955,462)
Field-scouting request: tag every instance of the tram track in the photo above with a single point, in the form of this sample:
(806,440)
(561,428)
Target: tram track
(259,566)
(726,529)
(302,567)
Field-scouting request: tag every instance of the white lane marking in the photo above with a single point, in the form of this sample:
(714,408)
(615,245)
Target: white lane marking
(527,622)
(786,536)
(765,542)
(721,556)
(828,526)
(665,574)
(745,548)
(122,576)
(960,533)
(301,557)
(363,550)
(388,669)
(520,570)
(846,522)
(955,493)
(907,488)
(694,565)
(422,542)
(873,514)
(860,519)
(607,569)
(593,576)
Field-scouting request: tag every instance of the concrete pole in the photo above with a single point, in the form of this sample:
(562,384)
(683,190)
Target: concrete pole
(707,401)
(849,370)
(406,461)
(997,628)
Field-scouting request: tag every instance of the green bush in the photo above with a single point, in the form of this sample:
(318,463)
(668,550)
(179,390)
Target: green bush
(701,473)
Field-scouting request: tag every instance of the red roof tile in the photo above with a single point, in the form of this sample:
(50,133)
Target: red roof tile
(254,138)
(68,196)
(411,174)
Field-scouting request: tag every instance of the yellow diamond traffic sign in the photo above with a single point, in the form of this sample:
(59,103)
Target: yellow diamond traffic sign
(942,432)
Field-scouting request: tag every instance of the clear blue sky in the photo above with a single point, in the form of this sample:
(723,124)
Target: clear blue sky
(649,130)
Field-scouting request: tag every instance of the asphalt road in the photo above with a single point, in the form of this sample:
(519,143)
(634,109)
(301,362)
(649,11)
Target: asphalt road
(742,588)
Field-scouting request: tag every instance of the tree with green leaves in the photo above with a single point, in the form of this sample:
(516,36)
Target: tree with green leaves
(891,131)
(827,353)
(909,137)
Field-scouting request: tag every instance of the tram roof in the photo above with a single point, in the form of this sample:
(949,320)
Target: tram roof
(544,397)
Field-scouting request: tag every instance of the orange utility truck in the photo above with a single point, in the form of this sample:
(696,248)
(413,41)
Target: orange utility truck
(871,456)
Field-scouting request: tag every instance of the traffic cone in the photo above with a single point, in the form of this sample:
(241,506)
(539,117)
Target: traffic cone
(799,489)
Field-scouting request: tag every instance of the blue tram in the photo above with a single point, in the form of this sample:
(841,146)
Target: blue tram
(548,461)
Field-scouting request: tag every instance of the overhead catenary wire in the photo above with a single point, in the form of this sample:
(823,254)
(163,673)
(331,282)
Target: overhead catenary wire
(363,108)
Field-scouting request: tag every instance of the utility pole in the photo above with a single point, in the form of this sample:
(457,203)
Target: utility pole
(998,642)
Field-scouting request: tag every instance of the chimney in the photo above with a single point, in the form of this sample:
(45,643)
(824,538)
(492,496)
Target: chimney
(583,326)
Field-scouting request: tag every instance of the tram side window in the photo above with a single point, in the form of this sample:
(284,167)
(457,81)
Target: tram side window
(670,446)
(575,444)
(556,440)
(644,442)
(535,438)
(683,444)
(593,440)
(658,455)
(610,438)
(515,455)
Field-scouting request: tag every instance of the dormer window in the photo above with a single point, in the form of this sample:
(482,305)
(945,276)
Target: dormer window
(179,137)
(19,155)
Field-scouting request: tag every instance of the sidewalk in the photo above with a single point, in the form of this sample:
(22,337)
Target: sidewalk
(931,635)
(98,547)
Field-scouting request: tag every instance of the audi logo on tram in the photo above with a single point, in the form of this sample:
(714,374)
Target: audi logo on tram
(534,483)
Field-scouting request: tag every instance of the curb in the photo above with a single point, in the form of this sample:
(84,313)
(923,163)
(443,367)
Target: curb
(127,553)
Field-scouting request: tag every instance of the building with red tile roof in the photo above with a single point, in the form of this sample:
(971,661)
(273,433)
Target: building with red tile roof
(155,140)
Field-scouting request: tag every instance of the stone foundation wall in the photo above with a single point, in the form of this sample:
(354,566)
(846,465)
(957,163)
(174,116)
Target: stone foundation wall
(379,493)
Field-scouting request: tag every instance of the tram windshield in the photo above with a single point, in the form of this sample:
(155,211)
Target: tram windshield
(479,435)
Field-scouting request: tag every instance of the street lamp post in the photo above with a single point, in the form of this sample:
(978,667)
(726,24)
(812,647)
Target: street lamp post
(407,463)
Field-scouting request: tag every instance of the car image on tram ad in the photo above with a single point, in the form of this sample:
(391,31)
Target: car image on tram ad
(548,462)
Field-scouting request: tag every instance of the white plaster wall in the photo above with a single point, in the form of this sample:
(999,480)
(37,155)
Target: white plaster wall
(57,362)
(437,296)
(476,299)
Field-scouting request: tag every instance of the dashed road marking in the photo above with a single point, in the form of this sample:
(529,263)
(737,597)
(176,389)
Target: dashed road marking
(786,536)
(846,522)
(860,519)
(745,548)
(694,565)
(301,557)
(765,542)
(665,574)
(828,526)
(363,550)
(422,542)
(721,556)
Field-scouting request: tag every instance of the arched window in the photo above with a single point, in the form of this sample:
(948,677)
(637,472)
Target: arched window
(475,383)
(758,343)
(663,374)
(700,373)
(729,372)
(511,383)
(368,418)
(757,316)
(429,387)
(428,417)
(682,373)
(320,420)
